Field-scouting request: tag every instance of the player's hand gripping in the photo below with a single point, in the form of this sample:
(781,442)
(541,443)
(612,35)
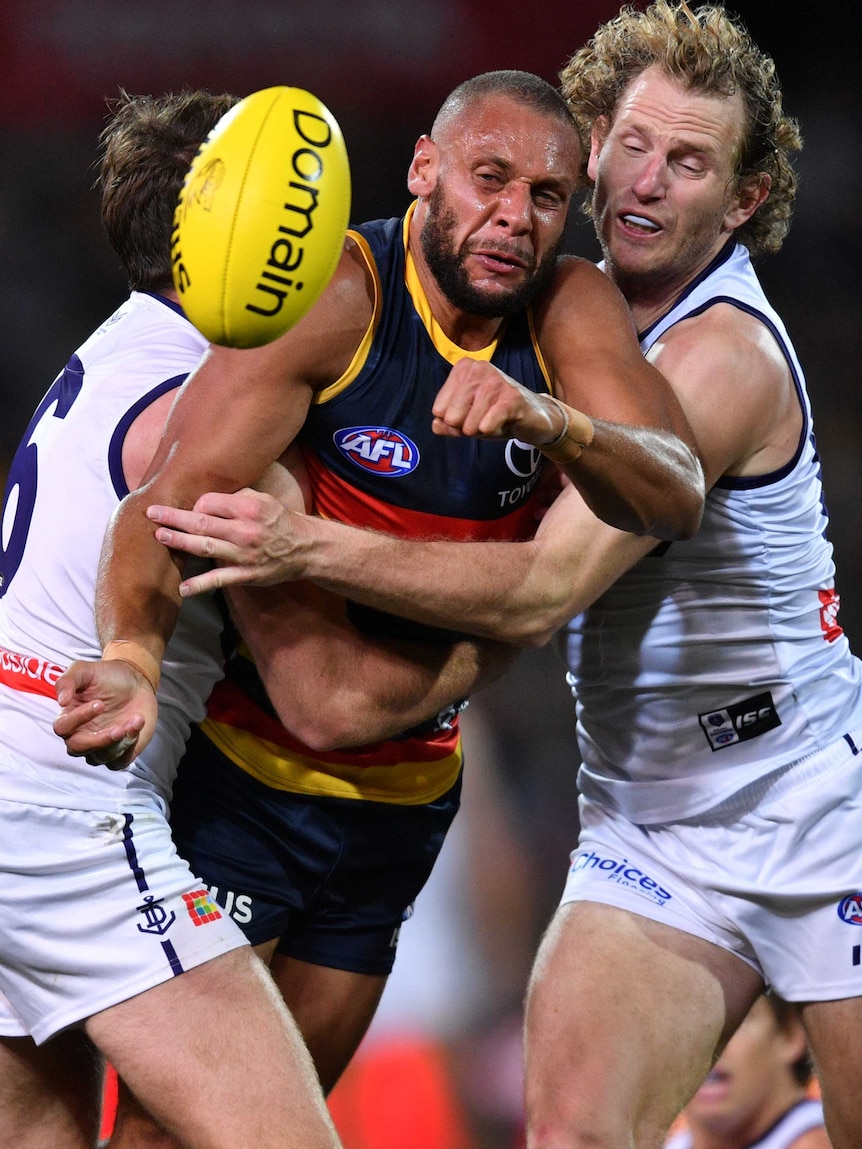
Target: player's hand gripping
(481,401)
(253,537)
(107,712)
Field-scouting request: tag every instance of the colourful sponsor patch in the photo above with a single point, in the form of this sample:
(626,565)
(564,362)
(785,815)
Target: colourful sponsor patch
(29,673)
(378,449)
(201,907)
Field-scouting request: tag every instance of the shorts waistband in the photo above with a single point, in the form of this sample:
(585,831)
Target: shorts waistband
(792,776)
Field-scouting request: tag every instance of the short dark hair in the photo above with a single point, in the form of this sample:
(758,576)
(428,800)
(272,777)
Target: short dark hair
(146,149)
(523,87)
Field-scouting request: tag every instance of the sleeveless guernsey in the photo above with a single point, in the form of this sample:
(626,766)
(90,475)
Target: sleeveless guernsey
(718,660)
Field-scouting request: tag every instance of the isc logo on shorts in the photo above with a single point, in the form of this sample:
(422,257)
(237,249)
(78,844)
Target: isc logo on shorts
(378,449)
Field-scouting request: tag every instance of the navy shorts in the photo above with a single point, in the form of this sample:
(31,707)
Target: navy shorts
(331,878)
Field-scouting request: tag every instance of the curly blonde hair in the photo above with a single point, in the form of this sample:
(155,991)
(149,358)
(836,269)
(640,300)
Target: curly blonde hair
(710,52)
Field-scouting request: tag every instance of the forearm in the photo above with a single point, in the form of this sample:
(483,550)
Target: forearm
(513,592)
(395,687)
(639,479)
(136,597)
(334,687)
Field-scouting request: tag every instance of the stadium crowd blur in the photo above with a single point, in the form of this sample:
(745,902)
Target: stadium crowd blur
(383,67)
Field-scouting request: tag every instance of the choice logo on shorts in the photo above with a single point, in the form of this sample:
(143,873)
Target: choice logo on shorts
(378,449)
(850,910)
(621,872)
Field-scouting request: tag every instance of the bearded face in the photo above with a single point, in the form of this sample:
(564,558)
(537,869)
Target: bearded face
(447,263)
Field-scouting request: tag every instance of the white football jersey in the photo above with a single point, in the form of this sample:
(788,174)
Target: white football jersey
(717,660)
(65,482)
(796,1121)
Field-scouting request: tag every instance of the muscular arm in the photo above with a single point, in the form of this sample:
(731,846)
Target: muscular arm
(234,416)
(641,472)
(334,687)
(739,398)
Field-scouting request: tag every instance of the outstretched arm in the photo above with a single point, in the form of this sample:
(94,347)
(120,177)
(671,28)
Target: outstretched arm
(515,592)
(739,396)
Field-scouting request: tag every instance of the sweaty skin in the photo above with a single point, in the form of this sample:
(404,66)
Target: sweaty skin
(506,175)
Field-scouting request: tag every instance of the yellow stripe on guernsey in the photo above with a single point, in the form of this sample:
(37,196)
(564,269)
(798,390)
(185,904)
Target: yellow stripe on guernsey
(442,343)
(407,783)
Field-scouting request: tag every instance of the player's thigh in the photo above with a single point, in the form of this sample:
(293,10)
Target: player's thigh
(49,1094)
(624,1015)
(134,1128)
(332,1007)
(206,1034)
(835,1036)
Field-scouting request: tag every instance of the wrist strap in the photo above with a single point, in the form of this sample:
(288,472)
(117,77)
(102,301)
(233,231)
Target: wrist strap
(577,433)
(136,655)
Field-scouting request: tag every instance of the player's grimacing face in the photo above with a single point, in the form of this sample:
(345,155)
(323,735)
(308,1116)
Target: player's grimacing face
(664,177)
(495,218)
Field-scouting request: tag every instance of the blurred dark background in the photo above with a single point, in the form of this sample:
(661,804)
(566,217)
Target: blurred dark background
(384,67)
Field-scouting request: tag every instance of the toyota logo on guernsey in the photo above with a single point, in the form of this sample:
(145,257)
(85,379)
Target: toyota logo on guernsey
(850,910)
(378,449)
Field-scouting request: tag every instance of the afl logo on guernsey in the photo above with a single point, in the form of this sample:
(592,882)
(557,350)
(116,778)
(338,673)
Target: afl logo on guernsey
(850,910)
(378,449)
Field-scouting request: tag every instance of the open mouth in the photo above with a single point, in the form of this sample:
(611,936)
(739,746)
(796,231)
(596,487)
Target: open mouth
(502,261)
(640,224)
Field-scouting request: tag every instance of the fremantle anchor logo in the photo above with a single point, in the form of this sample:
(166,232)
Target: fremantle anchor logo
(158,920)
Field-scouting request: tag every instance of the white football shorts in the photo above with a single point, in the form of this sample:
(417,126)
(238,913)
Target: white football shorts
(774,874)
(95,908)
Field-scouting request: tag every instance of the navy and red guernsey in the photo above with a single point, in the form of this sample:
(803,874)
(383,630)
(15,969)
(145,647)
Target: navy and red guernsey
(375,462)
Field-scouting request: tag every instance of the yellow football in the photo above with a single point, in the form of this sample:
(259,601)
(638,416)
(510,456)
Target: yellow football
(261,218)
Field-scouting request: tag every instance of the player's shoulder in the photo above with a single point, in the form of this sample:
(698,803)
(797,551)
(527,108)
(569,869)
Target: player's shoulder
(724,336)
(349,299)
(579,292)
(574,272)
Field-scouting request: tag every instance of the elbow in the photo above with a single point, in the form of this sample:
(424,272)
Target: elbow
(683,512)
(529,627)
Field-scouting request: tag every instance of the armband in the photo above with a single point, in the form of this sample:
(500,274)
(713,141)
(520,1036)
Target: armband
(577,433)
(137,656)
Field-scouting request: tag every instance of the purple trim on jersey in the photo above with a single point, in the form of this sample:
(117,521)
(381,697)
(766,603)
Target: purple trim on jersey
(171,954)
(750,482)
(115,448)
(722,257)
(167,302)
(132,855)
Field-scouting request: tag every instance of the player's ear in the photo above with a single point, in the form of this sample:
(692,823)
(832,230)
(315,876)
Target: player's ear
(598,135)
(752,192)
(422,174)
